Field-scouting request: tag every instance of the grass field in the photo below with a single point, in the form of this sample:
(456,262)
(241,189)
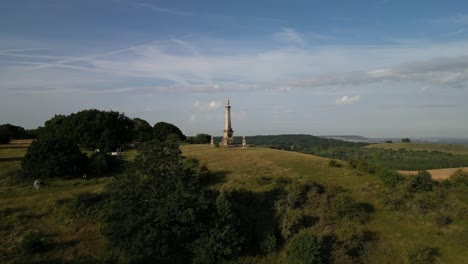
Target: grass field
(73,239)
(438,174)
(447,148)
(22,208)
(256,169)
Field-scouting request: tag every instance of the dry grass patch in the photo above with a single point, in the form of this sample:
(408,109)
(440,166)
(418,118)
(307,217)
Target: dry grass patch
(437,174)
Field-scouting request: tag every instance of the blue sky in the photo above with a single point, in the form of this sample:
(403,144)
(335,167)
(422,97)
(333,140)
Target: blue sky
(376,68)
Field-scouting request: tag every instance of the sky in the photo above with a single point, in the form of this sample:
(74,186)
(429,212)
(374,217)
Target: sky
(376,68)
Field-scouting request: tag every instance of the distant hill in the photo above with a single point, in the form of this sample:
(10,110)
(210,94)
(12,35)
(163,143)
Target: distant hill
(447,148)
(288,141)
(356,138)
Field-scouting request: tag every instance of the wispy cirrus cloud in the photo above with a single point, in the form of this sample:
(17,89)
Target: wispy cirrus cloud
(289,36)
(180,65)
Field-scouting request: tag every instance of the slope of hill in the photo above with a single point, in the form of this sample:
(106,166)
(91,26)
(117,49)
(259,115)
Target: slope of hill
(257,170)
(251,170)
(447,148)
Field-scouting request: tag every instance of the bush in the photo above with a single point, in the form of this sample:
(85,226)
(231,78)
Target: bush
(421,182)
(422,255)
(86,205)
(391,178)
(305,248)
(101,164)
(442,220)
(460,177)
(291,222)
(53,157)
(334,163)
(268,243)
(33,242)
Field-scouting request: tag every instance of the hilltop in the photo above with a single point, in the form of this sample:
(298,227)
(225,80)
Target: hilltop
(252,172)
(257,170)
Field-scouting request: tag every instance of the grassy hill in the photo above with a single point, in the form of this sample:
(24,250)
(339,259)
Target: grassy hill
(447,148)
(258,170)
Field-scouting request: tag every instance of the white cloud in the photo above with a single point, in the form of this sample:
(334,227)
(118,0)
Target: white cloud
(204,107)
(193,118)
(288,35)
(345,100)
(214,105)
(198,70)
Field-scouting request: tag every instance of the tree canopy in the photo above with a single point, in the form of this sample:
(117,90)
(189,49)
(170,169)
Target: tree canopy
(162,131)
(106,130)
(158,211)
(9,132)
(142,131)
(53,157)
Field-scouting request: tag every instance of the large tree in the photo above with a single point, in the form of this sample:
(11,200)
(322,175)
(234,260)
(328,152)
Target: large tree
(9,131)
(159,213)
(142,131)
(53,157)
(106,130)
(163,131)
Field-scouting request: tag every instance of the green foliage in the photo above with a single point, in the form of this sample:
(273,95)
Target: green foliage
(460,177)
(223,240)
(33,242)
(101,164)
(305,248)
(142,131)
(390,178)
(158,211)
(53,157)
(423,255)
(86,205)
(94,129)
(269,243)
(334,163)
(162,131)
(291,222)
(421,182)
(442,220)
(4,135)
(405,140)
(374,157)
(199,139)
(12,131)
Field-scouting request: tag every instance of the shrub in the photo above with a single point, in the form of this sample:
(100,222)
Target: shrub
(268,243)
(305,248)
(334,163)
(442,220)
(460,177)
(101,164)
(86,205)
(421,182)
(291,222)
(391,178)
(422,255)
(53,157)
(33,242)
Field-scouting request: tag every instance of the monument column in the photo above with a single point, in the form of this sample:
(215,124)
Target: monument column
(227,132)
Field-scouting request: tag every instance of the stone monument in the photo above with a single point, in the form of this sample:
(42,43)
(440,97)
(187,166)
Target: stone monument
(228,139)
(212,141)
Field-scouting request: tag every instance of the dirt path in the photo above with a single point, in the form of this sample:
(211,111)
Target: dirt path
(438,174)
